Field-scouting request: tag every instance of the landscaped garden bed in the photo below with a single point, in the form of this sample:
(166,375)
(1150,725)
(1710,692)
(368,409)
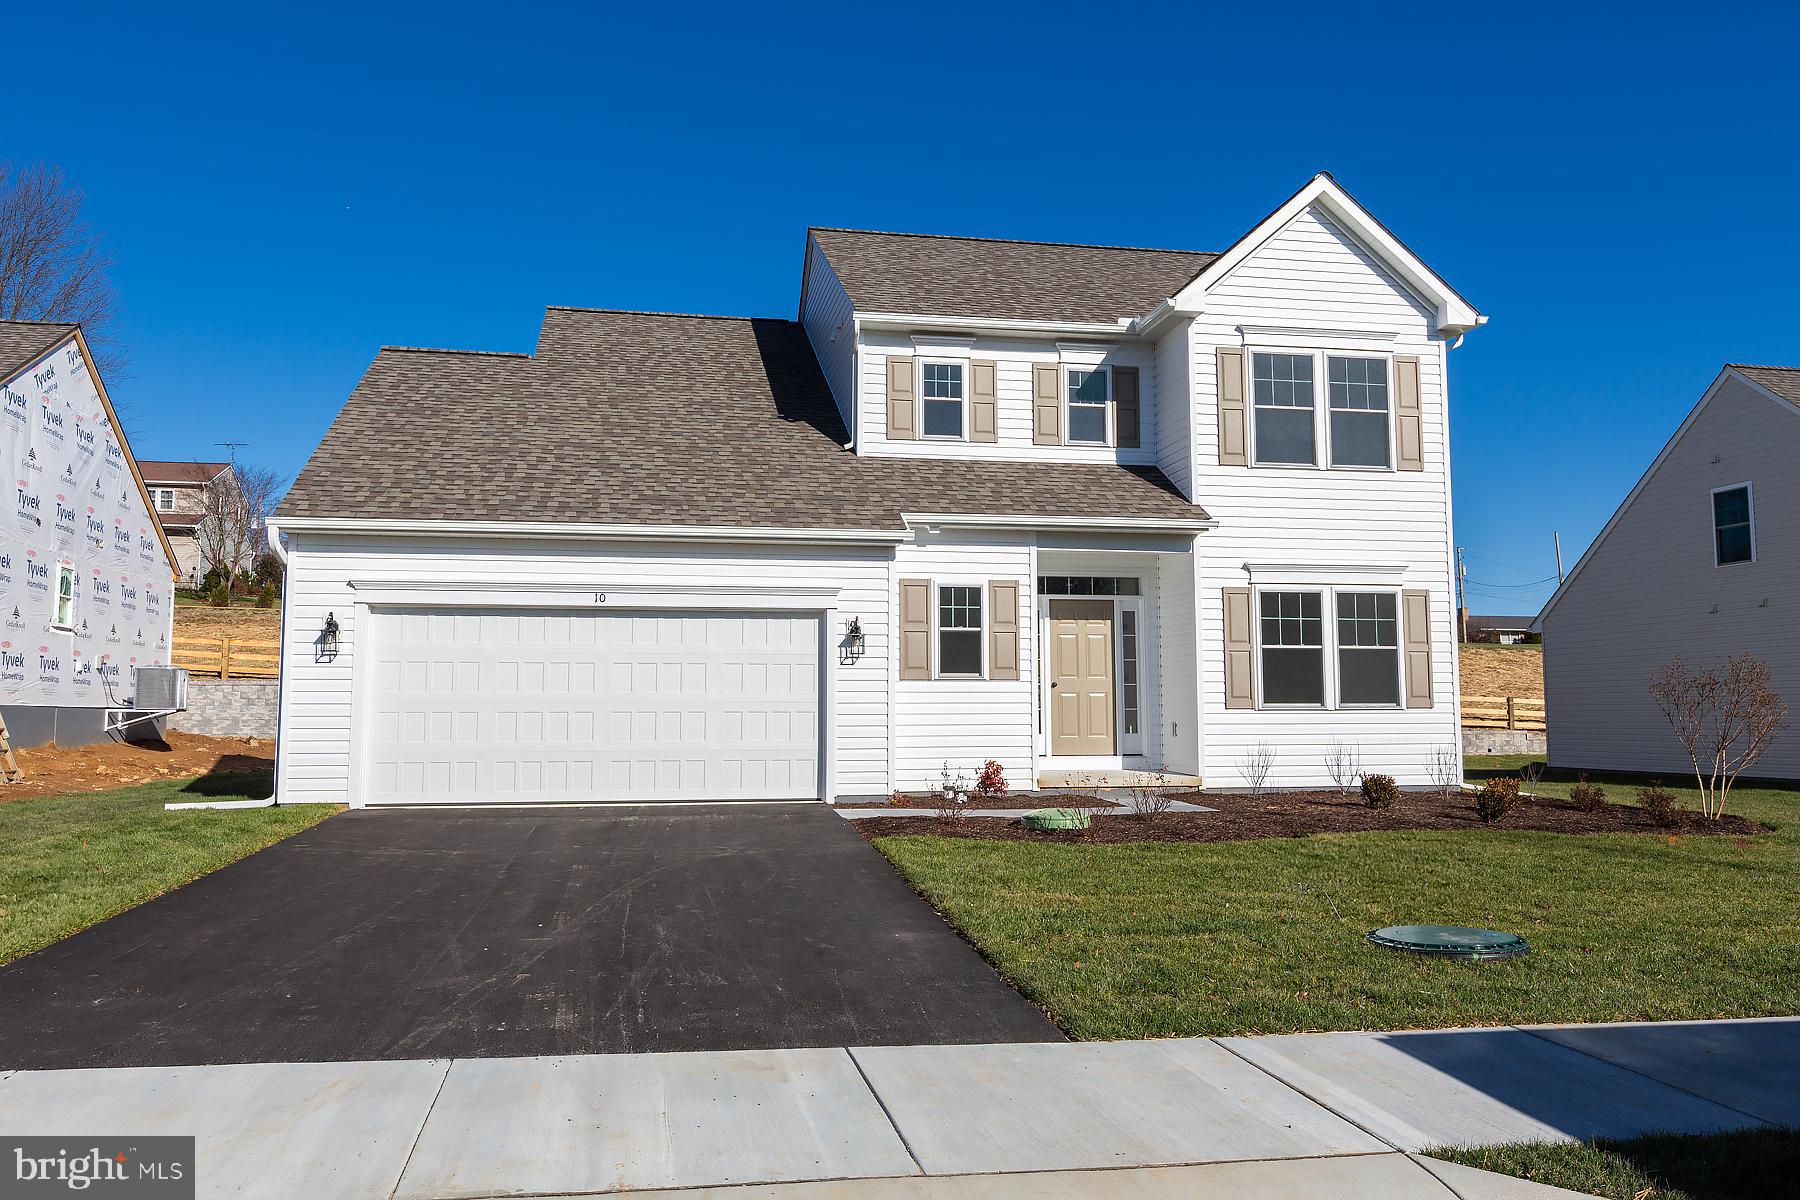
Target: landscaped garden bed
(1241,817)
(1013,801)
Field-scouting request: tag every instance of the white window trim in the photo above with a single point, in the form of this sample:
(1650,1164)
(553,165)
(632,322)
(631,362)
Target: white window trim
(162,494)
(1712,521)
(63,568)
(919,390)
(1321,405)
(1130,744)
(937,643)
(1109,410)
(1328,646)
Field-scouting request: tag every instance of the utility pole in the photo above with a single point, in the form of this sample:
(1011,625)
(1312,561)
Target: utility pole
(1556,536)
(1462,597)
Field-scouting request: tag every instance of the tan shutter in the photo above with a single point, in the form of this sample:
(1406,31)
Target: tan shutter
(1409,432)
(1240,650)
(1417,612)
(915,629)
(903,401)
(1003,629)
(984,402)
(1234,426)
(1046,404)
(1125,407)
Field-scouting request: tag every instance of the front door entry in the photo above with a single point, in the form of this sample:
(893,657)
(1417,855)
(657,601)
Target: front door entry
(1081,677)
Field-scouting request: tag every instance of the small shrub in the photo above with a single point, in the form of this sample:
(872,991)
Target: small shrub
(1380,791)
(898,799)
(952,795)
(1151,794)
(1497,799)
(219,595)
(991,783)
(1659,802)
(265,598)
(1589,797)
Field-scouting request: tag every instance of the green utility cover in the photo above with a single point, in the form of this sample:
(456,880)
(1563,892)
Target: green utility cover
(1057,818)
(1451,941)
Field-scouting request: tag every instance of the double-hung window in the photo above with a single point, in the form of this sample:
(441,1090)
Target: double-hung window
(1368,648)
(1283,384)
(165,499)
(1354,429)
(1359,411)
(959,630)
(1734,534)
(64,616)
(1293,648)
(1090,398)
(941,390)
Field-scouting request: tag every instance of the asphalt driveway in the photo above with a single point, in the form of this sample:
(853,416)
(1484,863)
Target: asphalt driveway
(415,934)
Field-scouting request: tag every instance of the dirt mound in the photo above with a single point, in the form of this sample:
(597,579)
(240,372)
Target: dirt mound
(53,771)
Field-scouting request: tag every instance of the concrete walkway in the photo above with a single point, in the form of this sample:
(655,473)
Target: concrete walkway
(1309,1115)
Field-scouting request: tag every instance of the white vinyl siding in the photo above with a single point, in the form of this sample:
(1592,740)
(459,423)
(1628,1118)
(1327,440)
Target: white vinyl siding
(965,721)
(830,325)
(318,698)
(1013,360)
(1172,384)
(1313,288)
(1649,590)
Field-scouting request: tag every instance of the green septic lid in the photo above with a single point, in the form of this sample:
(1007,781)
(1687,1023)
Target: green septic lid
(1450,941)
(1057,818)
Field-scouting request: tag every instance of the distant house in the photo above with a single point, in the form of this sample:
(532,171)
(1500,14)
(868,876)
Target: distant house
(178,497)
(1504,631)
(1702,561)
(86,595)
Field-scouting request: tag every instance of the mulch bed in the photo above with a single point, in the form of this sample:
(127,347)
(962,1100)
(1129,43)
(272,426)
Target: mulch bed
(1296,814)
(1022,803)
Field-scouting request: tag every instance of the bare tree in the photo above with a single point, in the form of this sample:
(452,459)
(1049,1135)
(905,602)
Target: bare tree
(233,521)
(52,266)
(1724,718)
(1343,762)
(1257,762)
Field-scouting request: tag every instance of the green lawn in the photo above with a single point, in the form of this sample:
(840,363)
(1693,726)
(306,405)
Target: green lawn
(69,861)
(1750,1164)
(1161,939)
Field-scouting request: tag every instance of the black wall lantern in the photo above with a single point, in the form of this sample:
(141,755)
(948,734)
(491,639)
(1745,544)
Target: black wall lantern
(851,648)
(328,639)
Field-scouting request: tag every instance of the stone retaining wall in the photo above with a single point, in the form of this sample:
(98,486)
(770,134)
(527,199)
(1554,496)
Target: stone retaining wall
(229,708)
(1503,741)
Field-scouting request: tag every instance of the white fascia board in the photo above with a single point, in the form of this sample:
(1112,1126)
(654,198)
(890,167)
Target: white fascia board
(594,532)
(1649,472)
(1455,315)
(1113,524)
(978,325)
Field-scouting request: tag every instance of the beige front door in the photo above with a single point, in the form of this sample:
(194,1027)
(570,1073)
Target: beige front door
(1081,677)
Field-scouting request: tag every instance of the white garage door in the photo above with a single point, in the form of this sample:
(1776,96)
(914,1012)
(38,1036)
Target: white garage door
(481,706)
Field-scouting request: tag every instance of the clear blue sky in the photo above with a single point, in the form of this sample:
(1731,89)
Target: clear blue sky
(286,189)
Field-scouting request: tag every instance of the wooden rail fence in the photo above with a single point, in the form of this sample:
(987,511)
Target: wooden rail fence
(228,658)
(1502,712)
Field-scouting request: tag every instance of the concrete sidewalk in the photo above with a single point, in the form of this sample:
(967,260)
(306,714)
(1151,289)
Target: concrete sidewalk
(1309,1115)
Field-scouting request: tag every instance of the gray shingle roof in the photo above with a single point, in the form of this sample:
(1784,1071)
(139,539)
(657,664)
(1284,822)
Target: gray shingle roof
(648,418)
(1783,381)
(980,277)
(21,342)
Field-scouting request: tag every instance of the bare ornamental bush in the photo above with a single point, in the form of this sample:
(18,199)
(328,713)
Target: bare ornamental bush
(1150,793)
(1446,772)
(952,797)
(1257,763)
(1725,717)
(1343,762)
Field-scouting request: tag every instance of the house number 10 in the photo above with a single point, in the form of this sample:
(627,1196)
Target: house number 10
(599,597)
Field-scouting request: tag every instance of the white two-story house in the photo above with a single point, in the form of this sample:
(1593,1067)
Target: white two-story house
(1076,509)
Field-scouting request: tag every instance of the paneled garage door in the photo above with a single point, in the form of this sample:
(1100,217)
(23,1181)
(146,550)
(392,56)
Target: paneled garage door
(483,706)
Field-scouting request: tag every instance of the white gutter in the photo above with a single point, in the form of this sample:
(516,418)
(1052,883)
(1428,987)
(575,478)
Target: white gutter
(996,324)
(1114,524)
(578,531)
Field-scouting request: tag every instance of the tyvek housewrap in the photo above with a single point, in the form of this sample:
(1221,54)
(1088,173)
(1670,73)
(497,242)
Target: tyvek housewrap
(71,499)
